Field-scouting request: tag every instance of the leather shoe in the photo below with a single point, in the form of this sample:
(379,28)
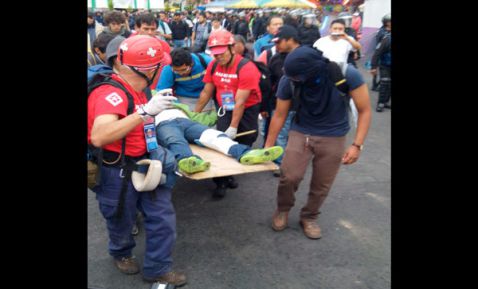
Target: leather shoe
(311,229)
(175,278)
(279,220)
(127,265)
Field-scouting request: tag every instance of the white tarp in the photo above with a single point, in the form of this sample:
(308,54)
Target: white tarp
(373,12)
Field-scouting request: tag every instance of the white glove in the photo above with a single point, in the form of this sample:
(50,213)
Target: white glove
(231,132)
(159,102)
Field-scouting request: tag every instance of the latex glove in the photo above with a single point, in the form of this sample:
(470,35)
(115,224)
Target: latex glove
(159,102)
(231,132)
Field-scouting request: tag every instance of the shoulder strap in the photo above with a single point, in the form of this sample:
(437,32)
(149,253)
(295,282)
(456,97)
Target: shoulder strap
(213,68)
(269,55)
(243,62)
(336,75)
(202,60)
(110,81)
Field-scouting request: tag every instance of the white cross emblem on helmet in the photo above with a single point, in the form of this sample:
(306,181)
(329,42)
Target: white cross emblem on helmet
(124,46)
(214,41)
(151,52)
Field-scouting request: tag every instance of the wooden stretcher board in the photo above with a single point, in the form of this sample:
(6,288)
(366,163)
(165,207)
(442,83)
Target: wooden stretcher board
(222,165)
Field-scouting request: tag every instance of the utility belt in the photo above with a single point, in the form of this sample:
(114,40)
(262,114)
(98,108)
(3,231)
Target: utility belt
(113,159)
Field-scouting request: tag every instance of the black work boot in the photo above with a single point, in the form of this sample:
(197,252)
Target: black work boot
(231,183)
(220,191)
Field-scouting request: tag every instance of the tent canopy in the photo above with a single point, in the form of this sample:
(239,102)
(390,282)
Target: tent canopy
(243,4)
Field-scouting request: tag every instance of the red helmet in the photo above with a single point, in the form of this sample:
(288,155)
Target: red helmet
(219,41)
(141,52)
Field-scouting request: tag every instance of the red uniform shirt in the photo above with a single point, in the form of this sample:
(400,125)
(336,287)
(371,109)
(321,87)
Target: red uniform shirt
(226,79)
(108,99)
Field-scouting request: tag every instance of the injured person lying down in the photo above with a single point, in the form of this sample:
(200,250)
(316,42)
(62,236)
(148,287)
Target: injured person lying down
(175,130)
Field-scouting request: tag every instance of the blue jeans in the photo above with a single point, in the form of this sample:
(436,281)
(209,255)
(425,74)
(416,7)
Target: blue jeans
(283,136)
(159,221)
(178,43)
(176,135)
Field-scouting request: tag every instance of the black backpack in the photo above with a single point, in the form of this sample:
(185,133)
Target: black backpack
(264,83)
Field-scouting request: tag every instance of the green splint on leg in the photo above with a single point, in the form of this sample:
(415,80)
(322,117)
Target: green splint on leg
(193,165)
(258,156)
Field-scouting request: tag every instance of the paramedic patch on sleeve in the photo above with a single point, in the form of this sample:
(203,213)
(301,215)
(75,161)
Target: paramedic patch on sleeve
(114,98)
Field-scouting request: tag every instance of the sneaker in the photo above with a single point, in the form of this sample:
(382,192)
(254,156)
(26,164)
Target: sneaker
(311,229)
(231,183)
(220,191)
(279,220)
(258,156)
(380,107)
(193,165)
(175,278)
(127,265)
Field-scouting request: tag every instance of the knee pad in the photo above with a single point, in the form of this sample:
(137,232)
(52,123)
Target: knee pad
(216,140)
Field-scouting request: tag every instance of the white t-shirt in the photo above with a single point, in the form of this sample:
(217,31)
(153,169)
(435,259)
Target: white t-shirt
(168,114)
(166,27)
(337,51)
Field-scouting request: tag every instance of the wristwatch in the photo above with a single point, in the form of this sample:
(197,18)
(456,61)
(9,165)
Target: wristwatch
(360,147)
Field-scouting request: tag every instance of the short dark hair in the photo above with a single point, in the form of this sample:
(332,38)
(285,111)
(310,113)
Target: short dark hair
(239,38)
(146,18)
(177,13)
(114,16)
(202,14)
(162,12)
(181,56)
(215,19)
(340,21)
(272,17)
(102,41)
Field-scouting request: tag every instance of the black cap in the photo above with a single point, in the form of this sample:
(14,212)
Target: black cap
(286,32)
(177,13)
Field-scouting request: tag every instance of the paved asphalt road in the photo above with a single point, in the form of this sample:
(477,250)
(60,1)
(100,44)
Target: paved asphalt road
(230,244)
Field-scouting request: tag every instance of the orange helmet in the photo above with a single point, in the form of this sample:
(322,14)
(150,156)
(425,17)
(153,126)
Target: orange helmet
(141,53)
(219,41)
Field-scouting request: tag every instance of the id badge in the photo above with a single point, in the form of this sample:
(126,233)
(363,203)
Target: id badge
(150,136)
(228,100)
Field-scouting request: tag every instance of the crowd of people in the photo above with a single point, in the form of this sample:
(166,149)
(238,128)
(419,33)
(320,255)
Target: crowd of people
(160,82)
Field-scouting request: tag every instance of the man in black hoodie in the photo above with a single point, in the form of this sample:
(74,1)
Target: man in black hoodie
(318,132)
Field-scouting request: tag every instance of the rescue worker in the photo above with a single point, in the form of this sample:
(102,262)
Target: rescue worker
(121,139)
(238,95)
